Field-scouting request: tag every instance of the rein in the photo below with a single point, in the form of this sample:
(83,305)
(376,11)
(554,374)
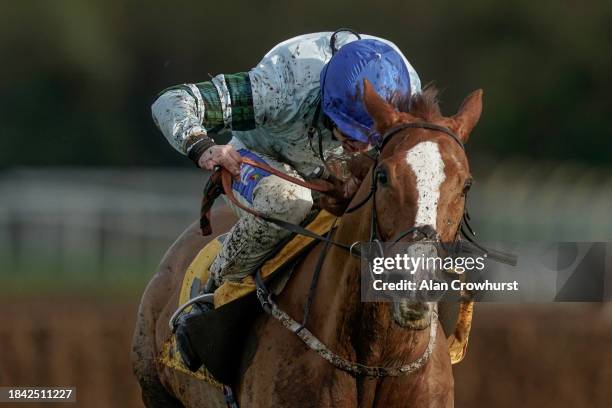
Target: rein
(226,181)
(278,173)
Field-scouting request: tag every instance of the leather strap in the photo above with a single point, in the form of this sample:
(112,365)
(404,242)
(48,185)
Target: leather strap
(278,173)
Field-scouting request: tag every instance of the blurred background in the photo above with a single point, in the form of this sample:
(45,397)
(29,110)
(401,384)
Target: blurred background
(91,194)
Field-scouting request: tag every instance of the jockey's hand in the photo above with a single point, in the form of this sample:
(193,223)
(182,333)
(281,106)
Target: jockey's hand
(221,155)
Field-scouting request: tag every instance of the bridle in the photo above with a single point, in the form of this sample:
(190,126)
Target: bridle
(464,237)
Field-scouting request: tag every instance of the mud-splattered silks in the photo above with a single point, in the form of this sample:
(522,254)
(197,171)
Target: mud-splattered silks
(268,108)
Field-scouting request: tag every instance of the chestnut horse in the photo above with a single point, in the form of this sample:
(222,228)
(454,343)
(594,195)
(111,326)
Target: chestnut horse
(425,177)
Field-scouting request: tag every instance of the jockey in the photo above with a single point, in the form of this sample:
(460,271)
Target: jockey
(312,81)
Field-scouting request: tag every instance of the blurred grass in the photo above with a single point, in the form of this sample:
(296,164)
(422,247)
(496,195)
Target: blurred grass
(42,278)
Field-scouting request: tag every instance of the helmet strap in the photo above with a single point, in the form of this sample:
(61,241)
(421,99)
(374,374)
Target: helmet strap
(332,41)
(314,125)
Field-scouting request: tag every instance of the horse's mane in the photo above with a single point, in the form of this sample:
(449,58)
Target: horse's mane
(423,105)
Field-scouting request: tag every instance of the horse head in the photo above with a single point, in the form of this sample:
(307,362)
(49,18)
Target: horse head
(421,178)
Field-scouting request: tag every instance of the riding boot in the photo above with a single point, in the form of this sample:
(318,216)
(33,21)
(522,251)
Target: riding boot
(185,348)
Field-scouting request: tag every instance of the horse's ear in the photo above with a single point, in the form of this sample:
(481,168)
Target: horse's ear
(468,115)
(381,112)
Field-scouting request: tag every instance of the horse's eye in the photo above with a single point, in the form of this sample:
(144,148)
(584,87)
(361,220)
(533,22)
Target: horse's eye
(467,186)
(382,177)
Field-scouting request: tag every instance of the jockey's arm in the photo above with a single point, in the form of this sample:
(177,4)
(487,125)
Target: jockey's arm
(189,114)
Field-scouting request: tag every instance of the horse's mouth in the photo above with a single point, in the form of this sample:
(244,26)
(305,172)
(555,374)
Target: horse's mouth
(414,311)
(410,314)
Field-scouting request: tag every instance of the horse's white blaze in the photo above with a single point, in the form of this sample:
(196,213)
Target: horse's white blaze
(427,165)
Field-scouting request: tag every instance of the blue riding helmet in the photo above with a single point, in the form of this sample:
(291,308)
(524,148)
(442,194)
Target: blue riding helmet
(342,85)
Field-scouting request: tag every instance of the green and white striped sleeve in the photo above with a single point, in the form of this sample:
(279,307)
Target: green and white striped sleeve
(188,114)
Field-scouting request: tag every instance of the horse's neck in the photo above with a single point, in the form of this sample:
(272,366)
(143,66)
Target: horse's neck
(355,226)
(338,291)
